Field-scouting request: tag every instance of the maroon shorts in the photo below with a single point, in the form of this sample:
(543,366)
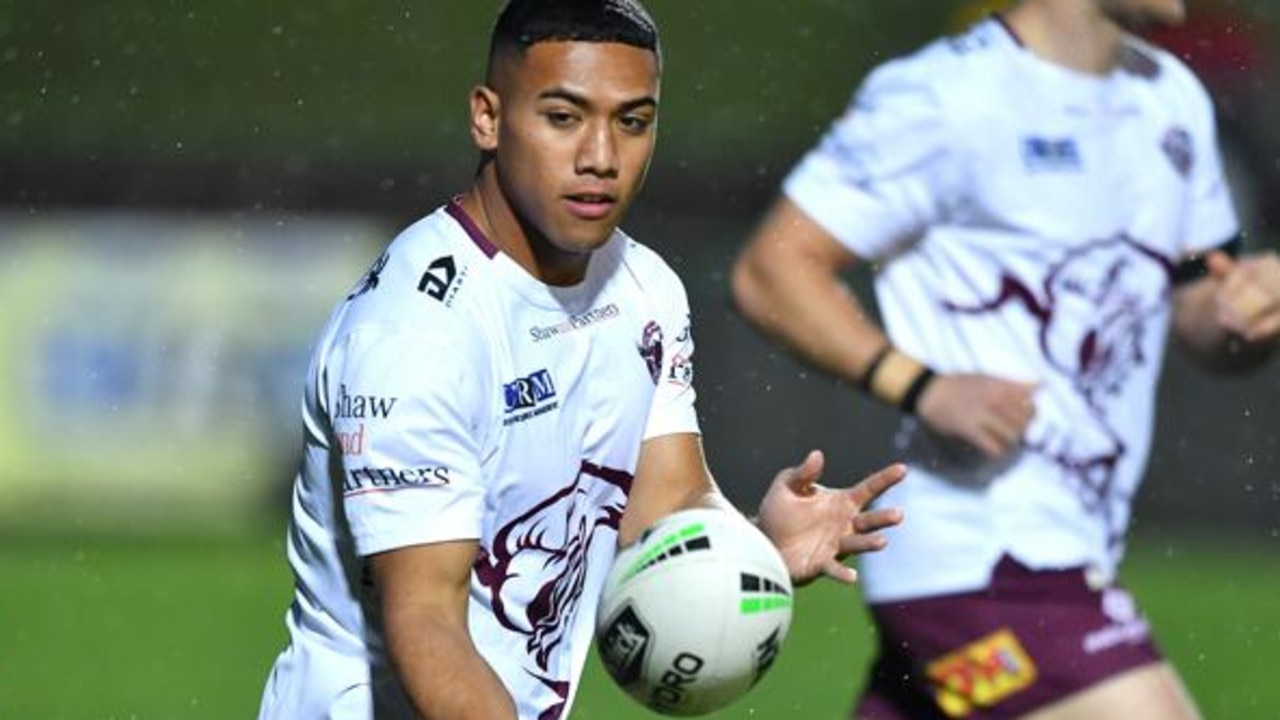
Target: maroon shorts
(1031,638)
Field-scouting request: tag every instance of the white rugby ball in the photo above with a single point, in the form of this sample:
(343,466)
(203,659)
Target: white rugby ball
(694,613)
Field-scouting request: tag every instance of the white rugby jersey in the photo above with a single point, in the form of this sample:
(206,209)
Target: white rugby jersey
(1027,220)
(453,396)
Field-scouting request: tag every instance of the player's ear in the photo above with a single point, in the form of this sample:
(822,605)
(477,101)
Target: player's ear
(484,118)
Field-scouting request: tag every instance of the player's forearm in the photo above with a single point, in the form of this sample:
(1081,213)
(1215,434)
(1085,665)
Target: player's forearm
(443,675)
(809,310)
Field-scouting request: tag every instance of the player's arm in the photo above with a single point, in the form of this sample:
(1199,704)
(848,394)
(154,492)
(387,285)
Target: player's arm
(814,527)
(1228,319)
(423,595)
(671,475)
(787,283)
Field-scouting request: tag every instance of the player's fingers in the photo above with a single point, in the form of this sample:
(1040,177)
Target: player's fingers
(874,520)
(1219,264)
(858,544)
(801,479)
(875,484)
(1267,328)
(1016,413)
(1249,300)
(1022,407)
(839,572)
(1002,431)
(987,439)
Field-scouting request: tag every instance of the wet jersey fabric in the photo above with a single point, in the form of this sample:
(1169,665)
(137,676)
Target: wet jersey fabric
(454,397)
(1026,221)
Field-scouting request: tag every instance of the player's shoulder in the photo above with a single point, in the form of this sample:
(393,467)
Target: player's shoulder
(641,263)
(653,278)
(425,267)
(416,285)
(1166,72)
(948,70)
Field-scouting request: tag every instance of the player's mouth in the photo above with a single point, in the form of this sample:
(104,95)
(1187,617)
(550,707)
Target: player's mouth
(590,206)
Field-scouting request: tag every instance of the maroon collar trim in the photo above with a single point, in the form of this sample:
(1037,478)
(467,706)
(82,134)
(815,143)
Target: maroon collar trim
(482,241)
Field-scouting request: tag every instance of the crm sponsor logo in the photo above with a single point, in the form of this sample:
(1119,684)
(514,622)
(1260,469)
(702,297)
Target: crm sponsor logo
(575,322)
(528,397)
(359,481)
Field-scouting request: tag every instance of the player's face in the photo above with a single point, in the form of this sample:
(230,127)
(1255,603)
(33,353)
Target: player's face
(1141,14)
(576,130)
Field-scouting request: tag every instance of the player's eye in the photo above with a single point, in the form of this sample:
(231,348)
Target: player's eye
(560,118)
(635,124)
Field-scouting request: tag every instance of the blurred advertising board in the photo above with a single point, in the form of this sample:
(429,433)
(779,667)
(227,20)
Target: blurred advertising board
(151,365)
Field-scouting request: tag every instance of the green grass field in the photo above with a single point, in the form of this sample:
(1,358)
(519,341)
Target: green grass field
(122,630)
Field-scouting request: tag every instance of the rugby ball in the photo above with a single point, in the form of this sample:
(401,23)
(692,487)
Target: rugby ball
(694,613)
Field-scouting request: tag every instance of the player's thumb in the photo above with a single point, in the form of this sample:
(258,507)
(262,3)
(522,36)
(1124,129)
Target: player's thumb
(1219,264)
(807,473)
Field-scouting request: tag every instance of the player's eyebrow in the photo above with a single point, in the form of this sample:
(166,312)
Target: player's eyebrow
(581,101)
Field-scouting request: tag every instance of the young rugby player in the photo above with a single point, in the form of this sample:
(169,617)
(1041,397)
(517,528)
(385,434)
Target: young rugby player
(506,397)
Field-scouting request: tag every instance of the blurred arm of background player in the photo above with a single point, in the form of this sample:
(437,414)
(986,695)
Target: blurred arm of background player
(787,283)
(1229,320)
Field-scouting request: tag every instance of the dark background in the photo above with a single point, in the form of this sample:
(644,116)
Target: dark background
(359,107)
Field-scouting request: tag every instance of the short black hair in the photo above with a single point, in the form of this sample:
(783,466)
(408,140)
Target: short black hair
(525,23)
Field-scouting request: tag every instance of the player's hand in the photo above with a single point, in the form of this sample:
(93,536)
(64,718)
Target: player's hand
(985,412)
(815,527)
(1247,296)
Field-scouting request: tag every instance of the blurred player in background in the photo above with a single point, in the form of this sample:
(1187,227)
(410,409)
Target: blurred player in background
(504,399)
(1043,202)
(1229,49)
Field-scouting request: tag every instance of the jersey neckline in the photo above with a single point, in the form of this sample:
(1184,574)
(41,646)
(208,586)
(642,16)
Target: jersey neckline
(1052,71)
(570,298)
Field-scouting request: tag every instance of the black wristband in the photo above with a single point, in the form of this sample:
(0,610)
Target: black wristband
(912,396)
(870,373)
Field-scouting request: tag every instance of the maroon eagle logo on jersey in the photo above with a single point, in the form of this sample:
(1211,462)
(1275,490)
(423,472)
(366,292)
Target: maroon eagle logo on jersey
(650,348)
(1095,308)
(535,570)
(1177,147)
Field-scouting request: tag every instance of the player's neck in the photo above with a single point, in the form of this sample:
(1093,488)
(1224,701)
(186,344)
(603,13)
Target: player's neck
(488,207)
(1072,33)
